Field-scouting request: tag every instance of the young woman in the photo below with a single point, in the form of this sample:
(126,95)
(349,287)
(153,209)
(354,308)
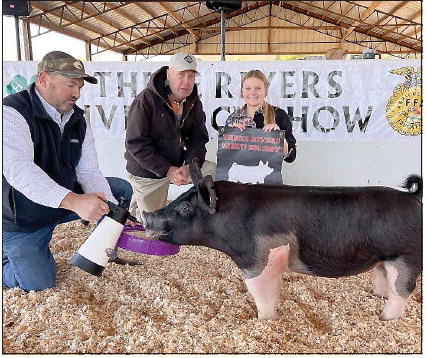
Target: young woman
(257,113)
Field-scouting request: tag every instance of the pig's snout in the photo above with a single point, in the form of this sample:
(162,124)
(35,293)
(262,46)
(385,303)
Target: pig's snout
(149,222)
(154,225)
(144,219)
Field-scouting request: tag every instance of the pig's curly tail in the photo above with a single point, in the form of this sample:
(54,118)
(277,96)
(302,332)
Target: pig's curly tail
(414,184)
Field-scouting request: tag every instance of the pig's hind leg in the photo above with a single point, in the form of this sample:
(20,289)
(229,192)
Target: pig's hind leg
(380,280)
(265,288)
(401,279)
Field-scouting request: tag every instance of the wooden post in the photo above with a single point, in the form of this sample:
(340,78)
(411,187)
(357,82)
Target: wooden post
(18,38)
(88,48)
(28,46)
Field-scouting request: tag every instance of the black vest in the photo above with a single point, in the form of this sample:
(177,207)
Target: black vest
(56,155)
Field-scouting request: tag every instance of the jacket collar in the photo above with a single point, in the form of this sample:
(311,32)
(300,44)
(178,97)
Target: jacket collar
(37,107)
(157,85)
(42,109)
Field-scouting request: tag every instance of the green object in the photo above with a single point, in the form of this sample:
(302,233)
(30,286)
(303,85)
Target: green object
(17,84)
(32,79)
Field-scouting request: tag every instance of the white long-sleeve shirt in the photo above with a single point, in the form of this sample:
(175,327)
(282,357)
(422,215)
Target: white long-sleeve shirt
(25,176)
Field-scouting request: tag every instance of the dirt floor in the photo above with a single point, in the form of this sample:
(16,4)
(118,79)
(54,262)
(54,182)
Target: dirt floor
(196,302)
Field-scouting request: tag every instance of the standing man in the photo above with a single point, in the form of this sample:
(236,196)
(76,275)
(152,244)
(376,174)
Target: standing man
(165,130)
(50,170)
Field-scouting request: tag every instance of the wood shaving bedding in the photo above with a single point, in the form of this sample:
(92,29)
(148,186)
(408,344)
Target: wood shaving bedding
(196,302)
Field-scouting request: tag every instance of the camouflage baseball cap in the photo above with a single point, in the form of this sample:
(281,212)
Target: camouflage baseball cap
(65,65)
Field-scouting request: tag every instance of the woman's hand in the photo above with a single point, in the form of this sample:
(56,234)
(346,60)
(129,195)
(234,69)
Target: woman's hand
(271,127)
(241,126)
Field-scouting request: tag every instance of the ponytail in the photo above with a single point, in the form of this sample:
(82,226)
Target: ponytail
(269,113)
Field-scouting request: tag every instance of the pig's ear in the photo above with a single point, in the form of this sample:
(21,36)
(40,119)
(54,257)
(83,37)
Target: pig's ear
(195,173)
(207,194)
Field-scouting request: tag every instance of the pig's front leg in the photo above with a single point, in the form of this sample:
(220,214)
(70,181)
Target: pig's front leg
(265,288)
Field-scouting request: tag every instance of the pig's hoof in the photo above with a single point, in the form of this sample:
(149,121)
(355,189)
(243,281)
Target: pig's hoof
(381,294)
(385,316)
(265,316)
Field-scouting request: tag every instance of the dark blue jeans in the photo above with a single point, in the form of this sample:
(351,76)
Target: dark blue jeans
(28,262)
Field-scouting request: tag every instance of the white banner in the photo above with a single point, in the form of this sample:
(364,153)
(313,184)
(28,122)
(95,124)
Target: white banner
(345,100)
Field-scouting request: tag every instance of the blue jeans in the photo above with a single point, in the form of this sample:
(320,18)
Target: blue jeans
(27,260)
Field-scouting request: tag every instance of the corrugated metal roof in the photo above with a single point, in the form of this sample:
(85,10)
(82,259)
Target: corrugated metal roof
(151,28)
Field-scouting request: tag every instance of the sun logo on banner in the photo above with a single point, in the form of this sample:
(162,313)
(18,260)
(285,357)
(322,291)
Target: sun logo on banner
(403,110)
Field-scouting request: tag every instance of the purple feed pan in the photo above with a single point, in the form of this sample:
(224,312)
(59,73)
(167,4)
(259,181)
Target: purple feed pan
(143,245)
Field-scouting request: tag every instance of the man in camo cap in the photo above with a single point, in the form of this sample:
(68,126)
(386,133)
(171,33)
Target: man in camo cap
(67,66)
(50,170)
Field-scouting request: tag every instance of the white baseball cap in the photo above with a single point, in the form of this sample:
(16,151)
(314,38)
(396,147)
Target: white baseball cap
(183,62)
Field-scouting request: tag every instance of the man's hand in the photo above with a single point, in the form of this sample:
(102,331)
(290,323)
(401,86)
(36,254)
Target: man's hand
(131,223)
(185,170)
(176,176)
(90,207)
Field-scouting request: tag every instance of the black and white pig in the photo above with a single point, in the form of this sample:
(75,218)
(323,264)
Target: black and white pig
(320,231)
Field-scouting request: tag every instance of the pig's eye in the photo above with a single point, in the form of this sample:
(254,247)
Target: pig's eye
(185,208)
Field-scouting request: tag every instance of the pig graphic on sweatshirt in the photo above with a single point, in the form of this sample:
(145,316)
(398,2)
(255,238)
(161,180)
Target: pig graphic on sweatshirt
(254,174)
